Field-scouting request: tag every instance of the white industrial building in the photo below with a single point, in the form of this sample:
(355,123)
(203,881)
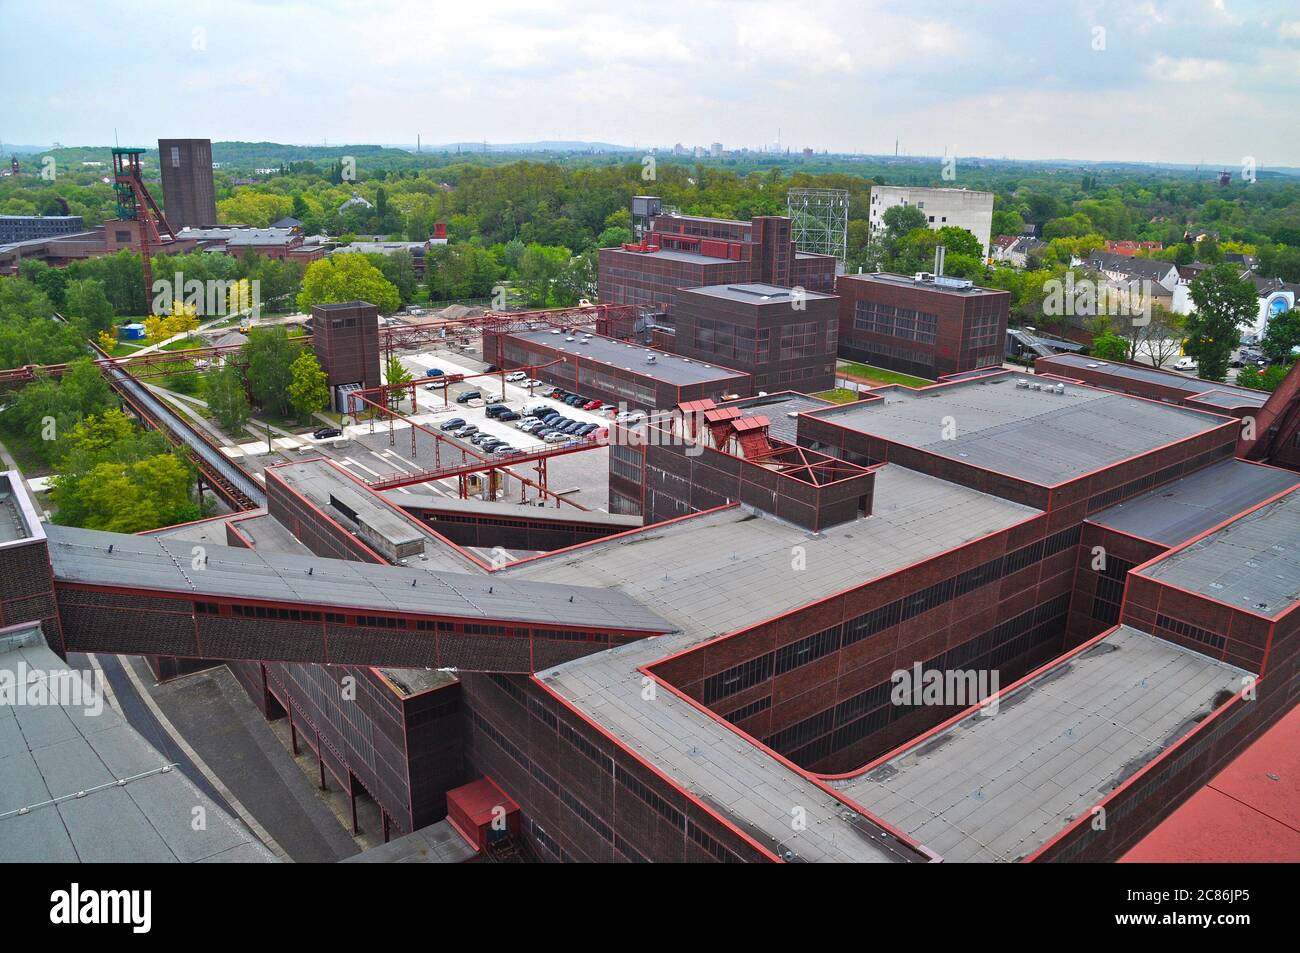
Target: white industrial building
(962,208)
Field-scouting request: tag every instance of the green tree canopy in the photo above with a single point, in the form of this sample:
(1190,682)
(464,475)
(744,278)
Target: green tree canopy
(1225,305)
(343,278)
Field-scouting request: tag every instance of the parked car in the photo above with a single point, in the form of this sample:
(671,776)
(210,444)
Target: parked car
(433,372)
(479,438)
(586,429)
(494,410)
(1185,364)
(435,385)
(508,415)
(555,437)
(491,443)
(517,376)
(573,427)
(452,424)
(490,368)
(493,401)
(466,431)
(592,405)
(324,433)
(467,396)
(503,449)
(534,382)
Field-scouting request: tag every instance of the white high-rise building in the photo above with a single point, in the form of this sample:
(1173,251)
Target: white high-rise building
(962,208)
(716,149)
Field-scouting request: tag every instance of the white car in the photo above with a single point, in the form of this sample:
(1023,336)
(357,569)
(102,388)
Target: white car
(435,385)
(533,382)
(556,437)
(521,424)
(517,376)
(1185,364)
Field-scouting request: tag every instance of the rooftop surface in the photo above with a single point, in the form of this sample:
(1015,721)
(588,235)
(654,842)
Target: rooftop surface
(1248,813)
(438,843)
(419,498)
(81,555)
(778,408)
(672,254)
(755,293)
(1224,394)
(995,788)
(722,571)
(668,368)
(16,515)
(908,281)
(1174,513)
(1253,563)
(1038,436)
(322,483)
(52,752)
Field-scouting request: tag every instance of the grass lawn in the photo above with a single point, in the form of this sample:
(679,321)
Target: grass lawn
(880,375)
(838,395)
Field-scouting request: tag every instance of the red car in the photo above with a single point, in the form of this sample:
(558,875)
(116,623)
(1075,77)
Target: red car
(592,405)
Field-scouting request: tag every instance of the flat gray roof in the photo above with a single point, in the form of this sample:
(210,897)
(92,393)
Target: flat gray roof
(82,555)
(1244,396)
(909,281)
(720,572)
(50,753)
(1034,435)
(668,368)
(438,843)
(323,483)
(780,410)
(994,788)
(1174,513)
(1253,563)
(672,254)
(755,293)
(417,498)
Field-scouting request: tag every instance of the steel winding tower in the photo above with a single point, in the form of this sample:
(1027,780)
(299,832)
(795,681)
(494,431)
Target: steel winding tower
(134,203)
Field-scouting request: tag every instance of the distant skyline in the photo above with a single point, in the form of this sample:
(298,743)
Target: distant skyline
(1188,82)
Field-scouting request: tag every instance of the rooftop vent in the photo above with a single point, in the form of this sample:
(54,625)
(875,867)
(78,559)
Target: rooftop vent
(649,358)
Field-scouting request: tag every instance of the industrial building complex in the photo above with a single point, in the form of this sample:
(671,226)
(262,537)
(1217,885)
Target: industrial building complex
(709,671)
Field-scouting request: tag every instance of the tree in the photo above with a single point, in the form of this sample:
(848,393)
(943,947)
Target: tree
(395,372)
(1110,347)
(270,356)
(1225,304)
(1281,337)
(309,387)
(899,220)
(614,236)
(1268,379)
(226,398)
(538,271)
(344,278)
(86,300)
(115,477)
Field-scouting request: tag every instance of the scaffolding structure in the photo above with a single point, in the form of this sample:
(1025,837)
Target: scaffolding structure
(819,221)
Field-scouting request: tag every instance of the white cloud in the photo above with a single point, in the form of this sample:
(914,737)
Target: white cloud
(1186,69)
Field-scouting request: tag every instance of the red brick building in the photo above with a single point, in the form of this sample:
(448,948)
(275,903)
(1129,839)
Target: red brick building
(921,325)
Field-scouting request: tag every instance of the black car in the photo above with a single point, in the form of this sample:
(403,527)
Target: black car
(507,414)
(573,400)
(490,368)
(324,433)
(552,418)
(452,424)
(571,428)
(587,428)
(491,443)
(466,397)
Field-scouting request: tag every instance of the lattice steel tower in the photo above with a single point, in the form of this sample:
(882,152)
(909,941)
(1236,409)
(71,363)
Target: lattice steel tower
(819,220)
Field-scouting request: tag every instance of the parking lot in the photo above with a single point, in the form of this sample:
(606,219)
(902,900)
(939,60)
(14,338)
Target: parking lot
(582,477)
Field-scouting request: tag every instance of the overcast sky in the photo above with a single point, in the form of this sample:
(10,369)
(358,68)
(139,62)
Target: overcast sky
(1181,81)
